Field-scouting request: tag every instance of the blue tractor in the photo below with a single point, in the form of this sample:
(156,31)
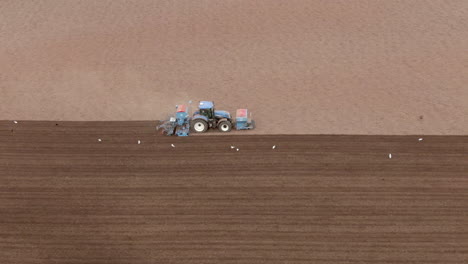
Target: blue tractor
(207,117)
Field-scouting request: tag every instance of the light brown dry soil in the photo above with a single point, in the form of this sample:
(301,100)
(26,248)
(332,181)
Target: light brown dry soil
(318,67)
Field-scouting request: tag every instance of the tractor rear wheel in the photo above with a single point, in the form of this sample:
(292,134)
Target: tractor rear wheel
(224,126)
(199,125)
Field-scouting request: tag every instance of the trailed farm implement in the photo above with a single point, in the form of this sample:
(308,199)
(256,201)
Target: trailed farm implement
(204,118)
(178,125)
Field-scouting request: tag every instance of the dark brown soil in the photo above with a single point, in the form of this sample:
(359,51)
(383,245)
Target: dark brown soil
(65,197)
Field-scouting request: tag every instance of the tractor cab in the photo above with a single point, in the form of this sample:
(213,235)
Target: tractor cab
(206,108)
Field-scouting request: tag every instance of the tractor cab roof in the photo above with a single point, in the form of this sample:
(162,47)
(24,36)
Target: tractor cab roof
(205,105)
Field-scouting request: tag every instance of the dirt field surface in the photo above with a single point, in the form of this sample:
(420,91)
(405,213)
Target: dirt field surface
(65,197)
(301,66)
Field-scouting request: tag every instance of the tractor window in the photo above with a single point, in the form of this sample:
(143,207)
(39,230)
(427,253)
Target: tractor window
(206,112)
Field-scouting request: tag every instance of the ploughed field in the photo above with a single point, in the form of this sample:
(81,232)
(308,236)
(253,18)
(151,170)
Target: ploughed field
(66,197)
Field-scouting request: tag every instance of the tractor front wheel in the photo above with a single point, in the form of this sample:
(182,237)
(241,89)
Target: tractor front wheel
(224,126)
(199,126)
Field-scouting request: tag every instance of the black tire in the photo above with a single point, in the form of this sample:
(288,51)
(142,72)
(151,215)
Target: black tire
(199,126)
(224,126)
